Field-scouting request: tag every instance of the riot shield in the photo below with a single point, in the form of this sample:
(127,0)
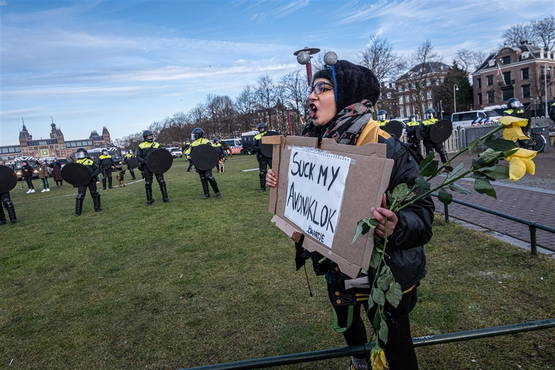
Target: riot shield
(77,174)
(267,149)
(132,163)
(394,128)
(8,179)
(159,161)
(204,157)
(440,131)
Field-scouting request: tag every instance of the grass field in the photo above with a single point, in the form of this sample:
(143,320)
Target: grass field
(196,282)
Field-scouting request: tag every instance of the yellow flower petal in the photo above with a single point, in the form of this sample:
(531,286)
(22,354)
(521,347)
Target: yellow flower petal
(530,166)
(523,153)
(513,134)
(517,169)
(513,121)
(378,359)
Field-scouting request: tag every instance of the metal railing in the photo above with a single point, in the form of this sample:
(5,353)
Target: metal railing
(532,225)
(427,340)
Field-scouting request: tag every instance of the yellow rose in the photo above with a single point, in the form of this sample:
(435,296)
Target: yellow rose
(521,162)
(377,359)
(513,128)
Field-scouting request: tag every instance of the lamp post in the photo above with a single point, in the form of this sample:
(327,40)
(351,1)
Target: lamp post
(455,89)
(545,69)
(303,57)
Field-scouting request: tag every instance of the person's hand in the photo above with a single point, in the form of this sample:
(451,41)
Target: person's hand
(271,179)
(381,214)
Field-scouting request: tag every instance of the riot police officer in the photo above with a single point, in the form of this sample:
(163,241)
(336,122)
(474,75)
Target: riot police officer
(205,175)
(514,108)
(413,126)
(427,124)
(221,154)
(145,148)
(83,158)
(106,166)
(382,117)
(263,162)
(126,159)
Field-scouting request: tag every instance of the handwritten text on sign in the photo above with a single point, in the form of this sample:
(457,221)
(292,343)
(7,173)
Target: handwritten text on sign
(316,182)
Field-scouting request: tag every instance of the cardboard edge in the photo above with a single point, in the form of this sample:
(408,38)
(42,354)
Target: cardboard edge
(276,158)
(291,231)
(274,139)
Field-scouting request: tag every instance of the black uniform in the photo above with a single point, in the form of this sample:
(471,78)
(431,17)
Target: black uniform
(263,162)
(126,160)
(82,190)
(205,176)
(430,146)
(6,201)
(413,128)
(145,148)
(106,166)
(27,173)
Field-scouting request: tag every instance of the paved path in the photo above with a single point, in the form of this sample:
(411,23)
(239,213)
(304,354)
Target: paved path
(525,202)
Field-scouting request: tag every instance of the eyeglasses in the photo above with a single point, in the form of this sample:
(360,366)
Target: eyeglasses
(321,87)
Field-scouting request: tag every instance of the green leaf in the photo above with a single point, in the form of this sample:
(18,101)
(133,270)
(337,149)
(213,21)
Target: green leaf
(473,145)
(430,169)
(487,158)
(383,332)
(456,172)
(378,297)
(384,281)
(370,305)
(510,152)
(445,197)
(459,189)
(500,145)
(430,157)
(496,172)
(483,186)
(400,192)
(386,271)
(363,226)
(394,294)
(375,260)
(422,184)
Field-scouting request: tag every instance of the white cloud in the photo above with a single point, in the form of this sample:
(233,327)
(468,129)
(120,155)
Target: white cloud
(291,7)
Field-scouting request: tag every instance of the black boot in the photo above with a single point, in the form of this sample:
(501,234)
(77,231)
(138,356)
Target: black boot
(214,185)
(78,206)
(149,200)
(110,182)
(133,175)
(104,183)
(205,189)
(11,212)
(262,182)
(96,202)
(164,191)
(2,216)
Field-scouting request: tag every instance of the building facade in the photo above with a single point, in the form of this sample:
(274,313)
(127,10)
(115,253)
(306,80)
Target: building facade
(525,73)
(417,87)
(56,146)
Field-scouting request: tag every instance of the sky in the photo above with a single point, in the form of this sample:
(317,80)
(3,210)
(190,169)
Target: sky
(124,64)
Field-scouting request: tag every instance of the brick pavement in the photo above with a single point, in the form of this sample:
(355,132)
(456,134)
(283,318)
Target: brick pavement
(527,204)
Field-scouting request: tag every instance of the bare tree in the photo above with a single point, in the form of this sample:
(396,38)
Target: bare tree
(378,56)
(544,32)
(266,96)
(470,60)
(516,34)
(295,91)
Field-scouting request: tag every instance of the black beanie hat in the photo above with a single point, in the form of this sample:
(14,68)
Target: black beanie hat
(354,83)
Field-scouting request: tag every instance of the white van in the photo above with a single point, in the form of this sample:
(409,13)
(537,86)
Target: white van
(474,117)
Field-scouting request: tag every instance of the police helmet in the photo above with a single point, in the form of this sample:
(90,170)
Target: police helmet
(382,115)
(197,133)
(81,153)
(430,113)
(261,126)
(104,152)
(216,140)
(148,135)
(412,117)
(514,103)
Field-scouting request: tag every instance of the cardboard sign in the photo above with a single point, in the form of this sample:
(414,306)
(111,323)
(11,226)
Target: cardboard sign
(323,192)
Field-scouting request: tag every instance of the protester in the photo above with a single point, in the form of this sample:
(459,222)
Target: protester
(57,174)
(43,175)
(346,117)
(27,173)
